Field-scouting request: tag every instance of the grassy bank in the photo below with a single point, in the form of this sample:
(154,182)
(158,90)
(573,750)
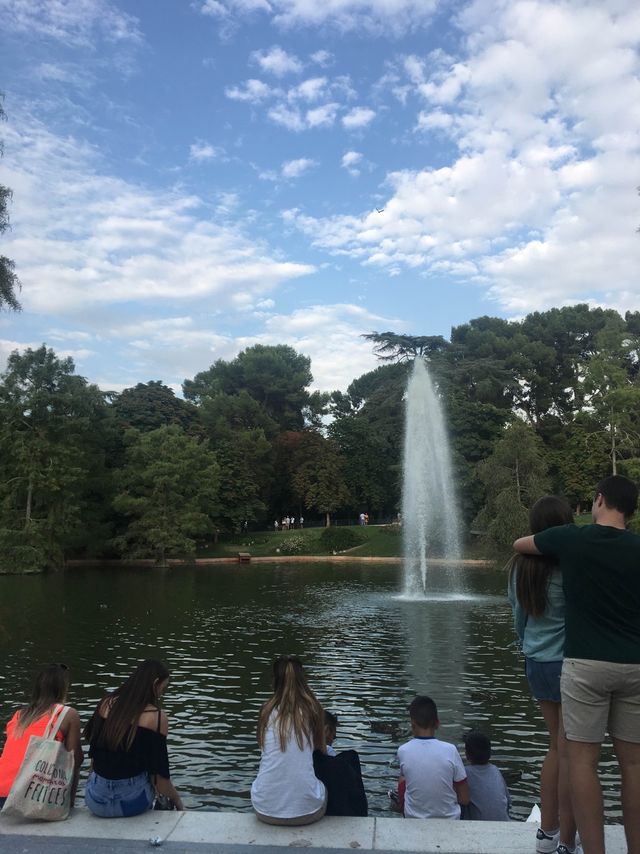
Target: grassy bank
(377,541)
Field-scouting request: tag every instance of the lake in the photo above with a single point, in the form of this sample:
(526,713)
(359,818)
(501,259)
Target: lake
(366,651)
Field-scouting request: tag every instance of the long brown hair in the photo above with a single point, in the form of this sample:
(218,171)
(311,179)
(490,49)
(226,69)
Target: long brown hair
(126,704)
(51,686)
(295,705)
(534,571)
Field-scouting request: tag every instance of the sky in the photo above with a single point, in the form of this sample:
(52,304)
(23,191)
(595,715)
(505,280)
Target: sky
(191,177)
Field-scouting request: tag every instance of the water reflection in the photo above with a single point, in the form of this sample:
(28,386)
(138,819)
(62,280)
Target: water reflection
(367,653)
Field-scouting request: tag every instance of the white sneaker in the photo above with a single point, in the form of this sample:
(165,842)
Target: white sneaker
(547,843)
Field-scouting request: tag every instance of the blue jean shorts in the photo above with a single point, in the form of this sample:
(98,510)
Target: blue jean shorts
(544,679)
(118,798)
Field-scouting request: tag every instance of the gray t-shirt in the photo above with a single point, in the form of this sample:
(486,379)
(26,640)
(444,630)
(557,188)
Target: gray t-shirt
(488,794)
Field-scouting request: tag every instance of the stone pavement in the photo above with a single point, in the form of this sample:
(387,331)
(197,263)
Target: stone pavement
(199,832)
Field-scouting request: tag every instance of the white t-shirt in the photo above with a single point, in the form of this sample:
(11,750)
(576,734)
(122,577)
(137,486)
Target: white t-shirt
(286,785)
(430,768)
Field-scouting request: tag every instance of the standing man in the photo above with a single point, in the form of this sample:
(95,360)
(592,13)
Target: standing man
(600,682)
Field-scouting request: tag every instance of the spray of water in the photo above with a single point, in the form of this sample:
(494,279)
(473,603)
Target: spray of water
(430,518)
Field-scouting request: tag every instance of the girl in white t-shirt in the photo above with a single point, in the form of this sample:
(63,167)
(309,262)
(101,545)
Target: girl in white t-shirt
(290,728)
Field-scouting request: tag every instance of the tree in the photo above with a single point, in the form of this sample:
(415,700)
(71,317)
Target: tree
(48,418)
(9,282)
(148,406)
(514,477)
(168,490)
(276,377)
(394,347)
(318,477)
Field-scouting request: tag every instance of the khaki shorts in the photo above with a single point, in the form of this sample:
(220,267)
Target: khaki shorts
(600,697)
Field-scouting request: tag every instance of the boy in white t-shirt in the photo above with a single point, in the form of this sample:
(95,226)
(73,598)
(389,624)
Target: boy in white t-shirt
(432,773)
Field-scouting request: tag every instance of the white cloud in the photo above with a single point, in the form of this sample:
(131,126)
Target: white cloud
(308,90)
(74,22)
(381,17)
(251,90)
(100,240)
(536,203)
(201,151)
(358,117)
(323,116)
(322,57)
(350,161)
(331,336)
(282,115)
(296,168)
(277,61)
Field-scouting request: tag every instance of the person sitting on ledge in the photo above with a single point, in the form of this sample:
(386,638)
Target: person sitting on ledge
(488,793)
(433,777)
(48,697)
(128,745)
(286,790)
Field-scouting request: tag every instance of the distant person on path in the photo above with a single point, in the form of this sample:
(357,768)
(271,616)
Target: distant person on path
(50,690)
(600,682)
(301,521)
(489,798)
(537,600)
(275,525)
(366,518)
(286,790)
(128,745)
(361,519)
(430,769)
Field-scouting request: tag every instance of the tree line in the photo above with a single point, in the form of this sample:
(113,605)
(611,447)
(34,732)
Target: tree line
(548,403)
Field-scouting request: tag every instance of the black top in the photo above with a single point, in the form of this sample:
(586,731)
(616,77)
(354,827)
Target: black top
(148,752)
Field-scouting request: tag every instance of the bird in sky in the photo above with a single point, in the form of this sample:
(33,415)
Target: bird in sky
(380,210)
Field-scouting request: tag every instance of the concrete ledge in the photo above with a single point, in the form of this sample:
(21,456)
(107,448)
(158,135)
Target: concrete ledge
(192,829)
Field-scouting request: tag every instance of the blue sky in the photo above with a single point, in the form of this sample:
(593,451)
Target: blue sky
(194,177)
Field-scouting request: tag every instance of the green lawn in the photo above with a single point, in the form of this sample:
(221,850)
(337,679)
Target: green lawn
(380,541)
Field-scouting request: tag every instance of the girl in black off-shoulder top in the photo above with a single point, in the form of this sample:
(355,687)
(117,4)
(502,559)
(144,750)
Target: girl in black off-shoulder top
(128,746)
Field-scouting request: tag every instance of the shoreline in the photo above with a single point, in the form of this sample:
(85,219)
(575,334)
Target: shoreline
(213,561)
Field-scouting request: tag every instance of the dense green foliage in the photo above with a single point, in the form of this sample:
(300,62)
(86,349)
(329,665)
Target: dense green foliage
(340,539)
(551,402)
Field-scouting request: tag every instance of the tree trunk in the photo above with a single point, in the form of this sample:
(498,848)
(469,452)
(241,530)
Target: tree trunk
(614,462)
(27,515)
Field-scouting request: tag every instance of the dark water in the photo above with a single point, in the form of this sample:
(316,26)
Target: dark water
(367,653)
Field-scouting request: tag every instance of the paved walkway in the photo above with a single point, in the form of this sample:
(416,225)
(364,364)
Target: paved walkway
(199,832)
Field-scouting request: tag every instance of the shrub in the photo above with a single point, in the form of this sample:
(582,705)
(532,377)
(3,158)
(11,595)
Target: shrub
(294,545)
(340,539)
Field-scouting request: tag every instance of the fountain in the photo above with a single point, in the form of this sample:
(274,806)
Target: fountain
(429,510)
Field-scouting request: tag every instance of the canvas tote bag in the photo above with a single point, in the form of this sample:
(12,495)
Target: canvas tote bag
(42,788)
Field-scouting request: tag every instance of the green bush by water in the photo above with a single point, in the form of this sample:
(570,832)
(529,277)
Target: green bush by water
(341,539)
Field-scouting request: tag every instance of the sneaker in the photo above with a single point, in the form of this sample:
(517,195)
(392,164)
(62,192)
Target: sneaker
(547,843)
(564,849)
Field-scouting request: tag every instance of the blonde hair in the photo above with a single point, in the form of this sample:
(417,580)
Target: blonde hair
(295,705)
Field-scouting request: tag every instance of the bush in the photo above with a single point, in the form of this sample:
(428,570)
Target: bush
(340,539)
(295,545)
(22,551)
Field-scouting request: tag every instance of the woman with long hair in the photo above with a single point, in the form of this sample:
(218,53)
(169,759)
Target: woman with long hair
(48,699)
(128,746)
(290,728)
(535,593)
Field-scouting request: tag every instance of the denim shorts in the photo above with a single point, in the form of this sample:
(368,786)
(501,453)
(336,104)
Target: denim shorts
(118,798)
(544,679)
